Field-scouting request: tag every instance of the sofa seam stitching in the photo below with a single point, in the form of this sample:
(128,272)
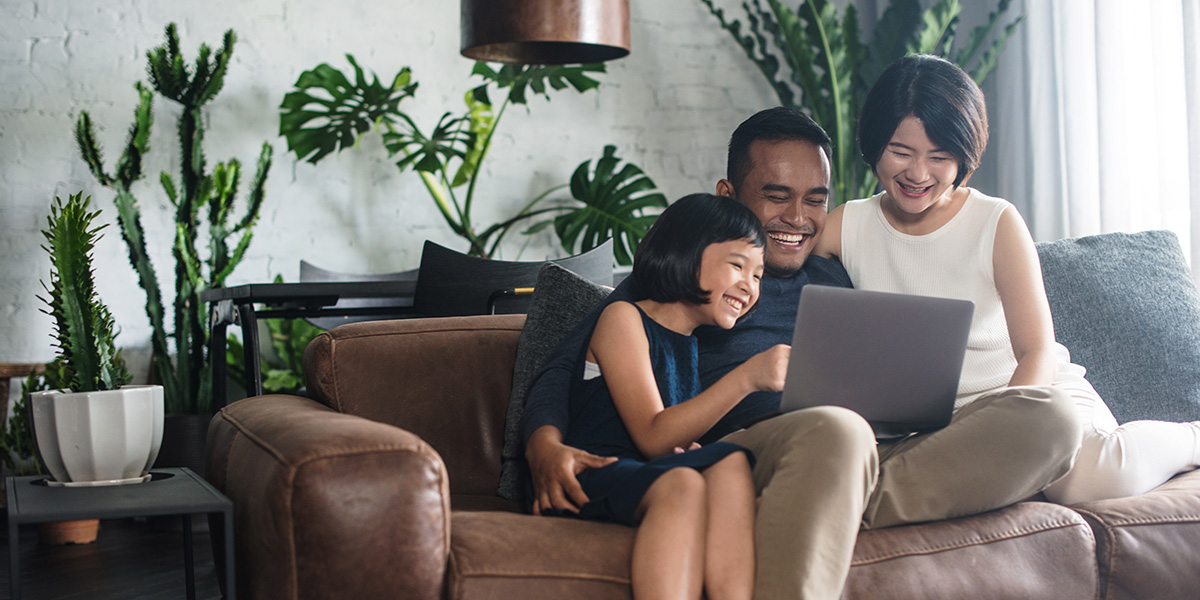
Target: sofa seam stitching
(962,543)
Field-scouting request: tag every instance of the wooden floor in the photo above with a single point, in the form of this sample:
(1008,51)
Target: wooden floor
(130,559)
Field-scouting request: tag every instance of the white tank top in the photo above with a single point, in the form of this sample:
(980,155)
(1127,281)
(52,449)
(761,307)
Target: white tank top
(953,262)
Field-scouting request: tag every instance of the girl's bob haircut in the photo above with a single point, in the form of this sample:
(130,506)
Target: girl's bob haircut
(666,266)
(946,100)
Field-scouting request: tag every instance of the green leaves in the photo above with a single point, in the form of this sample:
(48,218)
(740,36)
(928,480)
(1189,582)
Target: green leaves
(519,79)
(82,324)
(430,154)
(614,200)
(327,112)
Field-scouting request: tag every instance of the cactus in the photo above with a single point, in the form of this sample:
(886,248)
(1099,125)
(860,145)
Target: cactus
(83,327)
(186,379)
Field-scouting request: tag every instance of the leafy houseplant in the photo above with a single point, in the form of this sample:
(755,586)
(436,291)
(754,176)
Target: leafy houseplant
(89,430)
(205,217)
(829,69)
(328,112)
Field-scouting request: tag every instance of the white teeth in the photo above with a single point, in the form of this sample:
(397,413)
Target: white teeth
(734,302)
(787,238)
(912,190)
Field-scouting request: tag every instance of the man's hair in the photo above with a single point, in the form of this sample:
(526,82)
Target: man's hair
(947,101)
(775,125)
(666,266)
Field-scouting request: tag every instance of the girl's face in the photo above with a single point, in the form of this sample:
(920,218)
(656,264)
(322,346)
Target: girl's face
(913,171)
(730,273)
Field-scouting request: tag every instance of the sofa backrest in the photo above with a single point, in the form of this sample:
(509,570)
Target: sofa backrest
(1126,307)
(446,380)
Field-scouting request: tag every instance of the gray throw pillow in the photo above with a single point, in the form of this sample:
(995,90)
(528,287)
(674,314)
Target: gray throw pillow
(560,300)
(1126,307)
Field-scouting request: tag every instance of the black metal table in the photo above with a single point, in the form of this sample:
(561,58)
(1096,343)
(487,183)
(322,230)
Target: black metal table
(235,305)
(173,491)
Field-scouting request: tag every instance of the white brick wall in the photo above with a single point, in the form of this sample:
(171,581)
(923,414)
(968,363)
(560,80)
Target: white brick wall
(669,107)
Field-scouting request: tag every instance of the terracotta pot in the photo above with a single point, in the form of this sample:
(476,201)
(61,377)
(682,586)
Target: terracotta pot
(68,532)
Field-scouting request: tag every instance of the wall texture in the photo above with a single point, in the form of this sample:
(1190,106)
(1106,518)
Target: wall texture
(669,107)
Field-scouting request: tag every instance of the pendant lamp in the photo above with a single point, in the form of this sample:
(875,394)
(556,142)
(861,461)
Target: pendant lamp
(548,32)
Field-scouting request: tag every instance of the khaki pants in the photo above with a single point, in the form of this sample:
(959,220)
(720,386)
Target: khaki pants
(822,477)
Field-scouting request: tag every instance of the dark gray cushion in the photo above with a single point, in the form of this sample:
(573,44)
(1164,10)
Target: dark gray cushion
(1126,307)
(560,299)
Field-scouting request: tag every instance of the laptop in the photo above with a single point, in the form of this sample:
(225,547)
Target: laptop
(895,359)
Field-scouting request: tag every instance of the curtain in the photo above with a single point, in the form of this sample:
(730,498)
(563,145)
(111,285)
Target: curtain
(1095,118)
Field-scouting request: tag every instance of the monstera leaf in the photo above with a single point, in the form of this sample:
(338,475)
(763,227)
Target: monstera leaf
(519,78)
(430,154)
(327,112)
(613,204)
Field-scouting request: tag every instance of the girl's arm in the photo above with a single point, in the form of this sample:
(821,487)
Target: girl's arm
(1023,295)
(829,243)
(620,347)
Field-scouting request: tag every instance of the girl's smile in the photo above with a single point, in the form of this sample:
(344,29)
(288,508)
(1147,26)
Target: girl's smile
(730,273)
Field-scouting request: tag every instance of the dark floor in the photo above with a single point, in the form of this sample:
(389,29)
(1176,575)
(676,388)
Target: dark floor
(130,559)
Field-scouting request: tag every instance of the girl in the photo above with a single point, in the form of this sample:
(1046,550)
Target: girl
(637,397)
(923,130)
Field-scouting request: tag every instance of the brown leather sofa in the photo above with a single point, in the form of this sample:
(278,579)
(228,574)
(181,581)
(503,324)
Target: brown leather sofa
(385,487)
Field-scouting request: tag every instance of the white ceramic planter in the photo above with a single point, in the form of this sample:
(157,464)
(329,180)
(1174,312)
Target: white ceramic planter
(98,438)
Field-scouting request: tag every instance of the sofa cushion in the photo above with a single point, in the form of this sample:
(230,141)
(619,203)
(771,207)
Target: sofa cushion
(1028,550)
(560,299)
(1126,307)
(1147,544)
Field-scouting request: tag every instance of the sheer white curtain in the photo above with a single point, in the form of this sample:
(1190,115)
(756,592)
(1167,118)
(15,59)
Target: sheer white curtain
(1096,118)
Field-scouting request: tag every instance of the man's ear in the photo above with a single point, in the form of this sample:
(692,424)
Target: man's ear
(724,188)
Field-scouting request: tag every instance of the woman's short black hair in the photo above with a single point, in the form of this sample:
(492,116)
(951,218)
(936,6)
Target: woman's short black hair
(666,266)
(947,101)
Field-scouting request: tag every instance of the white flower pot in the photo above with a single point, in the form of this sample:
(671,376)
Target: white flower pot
(98,438)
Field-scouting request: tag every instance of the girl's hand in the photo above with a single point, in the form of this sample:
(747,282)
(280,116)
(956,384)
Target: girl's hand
(680,450)
(767,370)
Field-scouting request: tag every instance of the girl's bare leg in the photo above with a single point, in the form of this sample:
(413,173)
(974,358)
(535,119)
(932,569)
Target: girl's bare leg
(668,552)
(729,556)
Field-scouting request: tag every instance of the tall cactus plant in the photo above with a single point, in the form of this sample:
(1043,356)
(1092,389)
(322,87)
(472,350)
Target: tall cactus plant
(204,205)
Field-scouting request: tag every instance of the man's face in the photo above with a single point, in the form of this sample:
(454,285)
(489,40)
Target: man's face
(787,187)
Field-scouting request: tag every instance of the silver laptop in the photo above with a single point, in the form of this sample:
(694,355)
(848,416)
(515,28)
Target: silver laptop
(895,359)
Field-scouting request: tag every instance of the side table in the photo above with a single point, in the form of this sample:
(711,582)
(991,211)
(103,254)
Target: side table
(173,491)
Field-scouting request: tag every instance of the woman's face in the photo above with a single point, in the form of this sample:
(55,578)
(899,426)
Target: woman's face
(913,171)
(730,273)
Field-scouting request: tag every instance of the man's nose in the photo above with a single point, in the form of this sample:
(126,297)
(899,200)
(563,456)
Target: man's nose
(794,215)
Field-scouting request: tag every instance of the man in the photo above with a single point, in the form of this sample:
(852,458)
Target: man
(818,471)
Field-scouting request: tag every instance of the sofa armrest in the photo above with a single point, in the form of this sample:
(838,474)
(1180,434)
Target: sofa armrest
(328,505)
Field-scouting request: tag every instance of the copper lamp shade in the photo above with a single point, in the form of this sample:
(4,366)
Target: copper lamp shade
(547,32)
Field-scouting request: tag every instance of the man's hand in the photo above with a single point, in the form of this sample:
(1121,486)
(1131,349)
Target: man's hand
(553,467)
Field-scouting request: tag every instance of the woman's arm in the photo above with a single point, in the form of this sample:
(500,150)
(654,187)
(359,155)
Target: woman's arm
(829,243)
(1023,295)
(620,347)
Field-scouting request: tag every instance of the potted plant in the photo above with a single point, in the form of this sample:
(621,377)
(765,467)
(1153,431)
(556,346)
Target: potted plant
(329,111)
(94,429)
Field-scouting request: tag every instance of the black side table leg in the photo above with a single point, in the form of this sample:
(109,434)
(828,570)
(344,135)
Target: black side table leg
(14,556)
(189,564)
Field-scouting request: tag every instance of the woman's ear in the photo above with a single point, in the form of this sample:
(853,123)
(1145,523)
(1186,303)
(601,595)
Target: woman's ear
(724,188)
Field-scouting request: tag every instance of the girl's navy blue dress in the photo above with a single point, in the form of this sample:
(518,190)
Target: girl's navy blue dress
(616,490)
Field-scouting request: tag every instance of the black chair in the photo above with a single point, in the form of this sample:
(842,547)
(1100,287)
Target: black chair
(310,273)
(451,283)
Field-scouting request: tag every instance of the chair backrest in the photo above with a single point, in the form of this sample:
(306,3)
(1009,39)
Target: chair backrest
(451,283)
(310,273)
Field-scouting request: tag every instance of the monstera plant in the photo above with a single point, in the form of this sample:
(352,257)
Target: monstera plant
(328,111)
(817,61)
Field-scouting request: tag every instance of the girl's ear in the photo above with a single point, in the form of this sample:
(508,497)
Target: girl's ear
(725,188)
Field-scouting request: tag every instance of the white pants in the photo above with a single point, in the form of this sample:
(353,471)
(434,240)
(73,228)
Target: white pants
(1114,460)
